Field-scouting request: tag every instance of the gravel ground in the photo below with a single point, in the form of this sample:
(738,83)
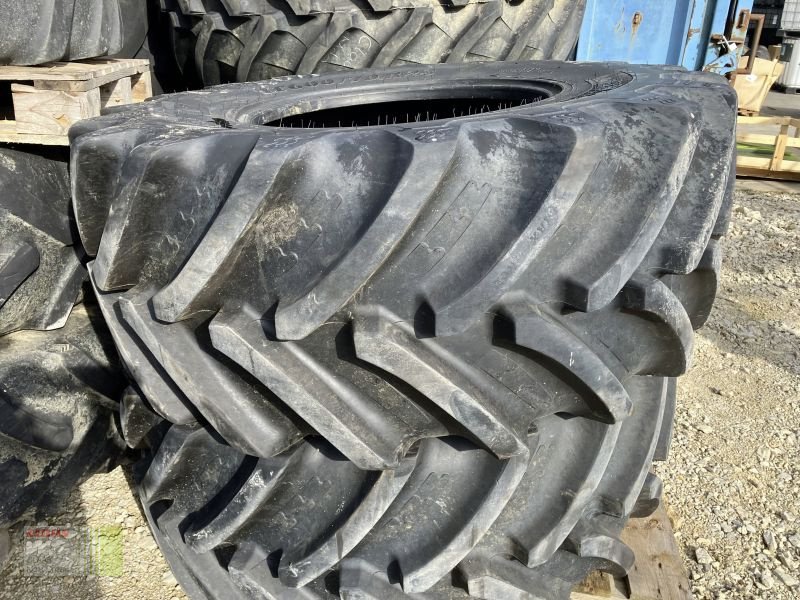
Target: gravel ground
(732,481)
(102,500)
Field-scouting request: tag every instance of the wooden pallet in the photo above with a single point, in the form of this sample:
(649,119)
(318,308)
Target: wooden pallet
(765,148)
(658,574)
(39,104)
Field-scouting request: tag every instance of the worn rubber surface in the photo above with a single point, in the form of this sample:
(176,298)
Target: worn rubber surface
(58,398)
(33,32)
(222,41)
(40,255)
(428,357)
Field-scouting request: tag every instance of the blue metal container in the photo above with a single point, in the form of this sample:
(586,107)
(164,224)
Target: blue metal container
(697,34)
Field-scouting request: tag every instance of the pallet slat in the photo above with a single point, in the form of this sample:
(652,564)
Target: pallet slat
(658,573)
(777,162)
(766,139)
(768,121)
(84,70)
(48,112)
(599,585)
(786,167)
(116,93)
(49,99)
(82,85)
(765,173)
(142,86)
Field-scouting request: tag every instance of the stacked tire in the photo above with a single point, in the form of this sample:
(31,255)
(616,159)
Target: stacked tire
(224,41)
(59,371)
(59,375)
(59,385)
(33,32)
(409,332)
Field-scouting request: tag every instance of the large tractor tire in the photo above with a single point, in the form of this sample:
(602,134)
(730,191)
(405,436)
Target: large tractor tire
(59,395)
(406,332)
(33,32)
(222,41)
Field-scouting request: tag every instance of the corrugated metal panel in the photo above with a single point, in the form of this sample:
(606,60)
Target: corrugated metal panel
(676,32)
(790,77)
(635,31)
(791,15)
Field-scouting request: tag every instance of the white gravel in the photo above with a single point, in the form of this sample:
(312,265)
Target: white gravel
(732,481)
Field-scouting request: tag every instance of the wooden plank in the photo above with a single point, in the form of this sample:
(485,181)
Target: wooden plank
(766,174)
(71,71)
(780,148)
(86,84)
(766,139)
(659,573)
(768,121)
(47,112)
(116,93)
(762,120)
(595,587)
(8,133)
(754,162)
(787,166)
(142,86)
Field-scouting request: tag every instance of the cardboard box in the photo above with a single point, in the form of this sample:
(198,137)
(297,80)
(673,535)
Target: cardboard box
(753,88)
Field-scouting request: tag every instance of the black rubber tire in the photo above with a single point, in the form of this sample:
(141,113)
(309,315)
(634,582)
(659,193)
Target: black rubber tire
(444,347)
(59,390)
(225,41)
(40,255)
(33,32)
(58,401)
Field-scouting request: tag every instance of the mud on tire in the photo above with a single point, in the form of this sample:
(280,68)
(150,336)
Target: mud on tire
(416,328)
(222,41)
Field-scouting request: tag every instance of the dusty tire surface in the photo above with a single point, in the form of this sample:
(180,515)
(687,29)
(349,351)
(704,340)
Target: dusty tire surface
(417,329)
(224,41)
(40,256)
(33,32)
(58,402)
(59,376)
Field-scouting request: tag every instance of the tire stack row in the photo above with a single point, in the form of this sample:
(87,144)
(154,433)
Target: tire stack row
(224,41)
(399,333)
(59,375)
(433,358)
